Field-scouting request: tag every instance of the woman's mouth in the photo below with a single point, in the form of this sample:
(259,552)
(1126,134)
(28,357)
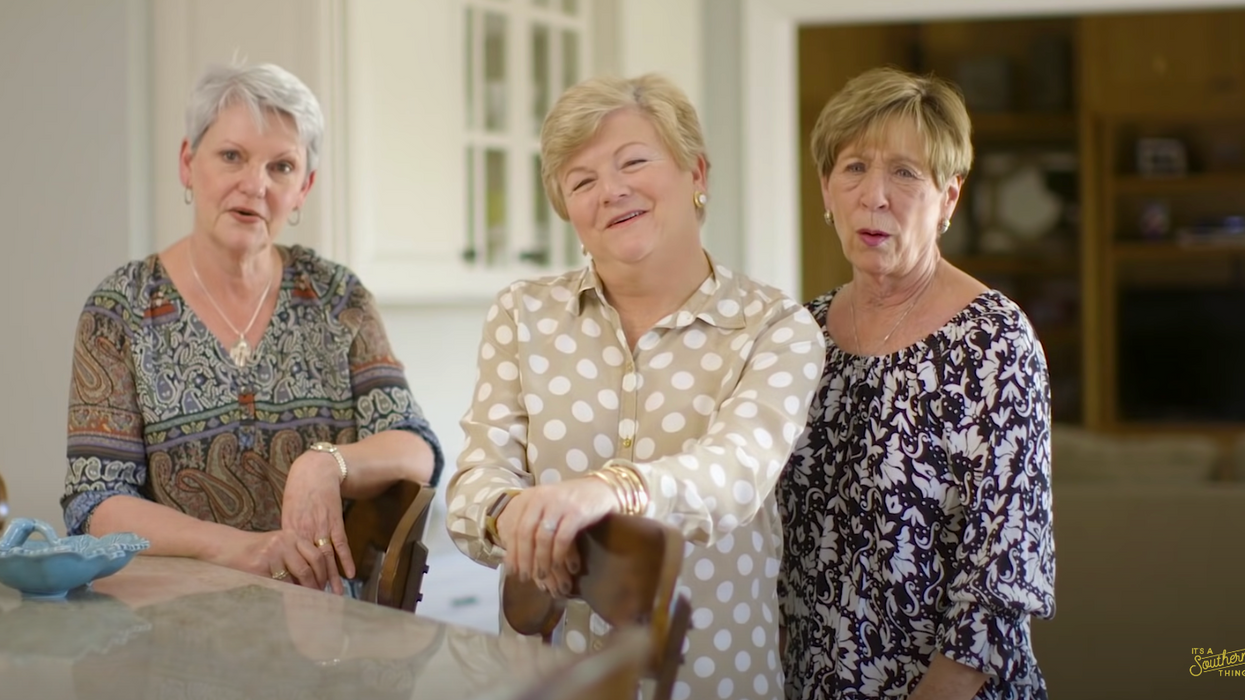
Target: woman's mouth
(873,238)
(625,219)
(246,216)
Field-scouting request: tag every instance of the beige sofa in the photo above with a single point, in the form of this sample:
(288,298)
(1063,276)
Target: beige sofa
(1149,558)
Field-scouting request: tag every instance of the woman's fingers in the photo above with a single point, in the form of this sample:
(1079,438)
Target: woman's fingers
(311,568)
(542,547)
(341,545)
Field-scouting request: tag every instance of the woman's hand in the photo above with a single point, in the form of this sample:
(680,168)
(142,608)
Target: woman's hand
(280,554)
(312,509)
(539,525)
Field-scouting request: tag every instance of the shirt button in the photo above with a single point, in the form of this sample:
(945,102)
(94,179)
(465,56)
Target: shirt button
(597,644)
(626,442)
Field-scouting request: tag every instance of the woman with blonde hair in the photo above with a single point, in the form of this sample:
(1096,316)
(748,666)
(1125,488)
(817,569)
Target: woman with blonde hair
(653,382)
(916,506)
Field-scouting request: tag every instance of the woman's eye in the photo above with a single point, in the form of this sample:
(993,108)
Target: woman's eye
(230,156)
(904,172)
(284,167)
(633,162)
(855,167)
(581,184)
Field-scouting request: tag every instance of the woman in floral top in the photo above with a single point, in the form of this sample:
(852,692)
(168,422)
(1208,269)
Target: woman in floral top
(228,393)
(916,505)
(653,381)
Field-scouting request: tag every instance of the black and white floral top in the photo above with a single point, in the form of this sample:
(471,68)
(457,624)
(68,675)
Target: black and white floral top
(916,510)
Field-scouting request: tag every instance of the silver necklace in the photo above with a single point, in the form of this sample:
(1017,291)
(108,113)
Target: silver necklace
(240,351)
(856,330)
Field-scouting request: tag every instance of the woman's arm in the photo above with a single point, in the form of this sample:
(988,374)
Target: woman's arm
(721,481)
(494,459)
(998,448)
(948,680)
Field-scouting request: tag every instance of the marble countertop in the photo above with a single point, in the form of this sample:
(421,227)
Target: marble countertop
(178,628)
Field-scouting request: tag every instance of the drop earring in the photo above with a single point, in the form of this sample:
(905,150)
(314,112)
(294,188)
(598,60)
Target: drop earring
(828,218)
(188,196)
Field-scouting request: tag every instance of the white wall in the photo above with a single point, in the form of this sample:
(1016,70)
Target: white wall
(73,194)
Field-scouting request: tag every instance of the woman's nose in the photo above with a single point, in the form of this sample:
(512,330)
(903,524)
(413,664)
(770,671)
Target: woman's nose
(254,182)
(873,194)
(614,187)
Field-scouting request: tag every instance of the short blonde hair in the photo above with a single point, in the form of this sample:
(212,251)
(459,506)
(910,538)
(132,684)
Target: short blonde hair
(578,113)
(866,106)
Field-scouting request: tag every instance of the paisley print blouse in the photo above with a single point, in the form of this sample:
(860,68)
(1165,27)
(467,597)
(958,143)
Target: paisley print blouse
(916,509)
(158,410)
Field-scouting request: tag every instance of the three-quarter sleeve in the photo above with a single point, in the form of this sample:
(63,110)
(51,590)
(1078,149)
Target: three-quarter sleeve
(382,396)
(495,436)
(1000,453)
(722,478)
(106,452)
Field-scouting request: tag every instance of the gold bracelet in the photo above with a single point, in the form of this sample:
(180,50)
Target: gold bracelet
(628,487)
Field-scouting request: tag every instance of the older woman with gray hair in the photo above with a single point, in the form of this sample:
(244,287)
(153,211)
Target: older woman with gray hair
(228,392)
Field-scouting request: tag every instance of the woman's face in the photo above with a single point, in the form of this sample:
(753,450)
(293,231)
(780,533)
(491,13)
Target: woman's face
(627,196)
(886,205)
(247,177)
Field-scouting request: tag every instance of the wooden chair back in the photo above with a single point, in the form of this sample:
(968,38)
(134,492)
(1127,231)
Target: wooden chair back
(629,576)
(4,504)
(386,538)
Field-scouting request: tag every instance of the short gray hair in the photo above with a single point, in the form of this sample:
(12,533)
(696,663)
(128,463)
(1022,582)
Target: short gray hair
(262,88)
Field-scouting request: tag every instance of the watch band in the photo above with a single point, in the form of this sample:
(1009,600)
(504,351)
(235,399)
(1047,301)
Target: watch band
(494,511)
(337,455)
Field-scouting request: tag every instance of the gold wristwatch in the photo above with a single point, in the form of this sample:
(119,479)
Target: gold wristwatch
(494,512)
(337,455)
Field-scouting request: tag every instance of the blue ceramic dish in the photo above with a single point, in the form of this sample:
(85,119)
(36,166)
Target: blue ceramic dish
(53,566)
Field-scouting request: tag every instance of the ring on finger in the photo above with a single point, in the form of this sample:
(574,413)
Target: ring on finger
(281,575)
(323,541)
(549,526)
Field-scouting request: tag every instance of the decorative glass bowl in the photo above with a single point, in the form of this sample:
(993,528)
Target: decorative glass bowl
(53,566)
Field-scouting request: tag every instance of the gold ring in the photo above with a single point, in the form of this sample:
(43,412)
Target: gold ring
(322,541)
(281,575)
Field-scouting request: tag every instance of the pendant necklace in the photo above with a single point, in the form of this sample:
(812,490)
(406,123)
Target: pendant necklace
(240,352)
(881,344)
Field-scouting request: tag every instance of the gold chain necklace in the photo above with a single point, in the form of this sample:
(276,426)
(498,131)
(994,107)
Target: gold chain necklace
(856,330)
(240,352)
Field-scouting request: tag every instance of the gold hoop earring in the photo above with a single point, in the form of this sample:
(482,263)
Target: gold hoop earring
(828,218)
(296,217)
(700,199)
(188,196)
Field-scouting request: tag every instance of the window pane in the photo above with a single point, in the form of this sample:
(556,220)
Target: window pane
(541,80)
(495,207)
(570,7)
(495,71)
(570,58)
(469,67)
(469,250)
(543,215)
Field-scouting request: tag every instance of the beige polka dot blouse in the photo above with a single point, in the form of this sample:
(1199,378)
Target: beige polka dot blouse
(706,407)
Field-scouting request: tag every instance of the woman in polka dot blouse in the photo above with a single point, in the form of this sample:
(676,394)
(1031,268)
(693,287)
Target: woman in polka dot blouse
(679,382)
(916,506)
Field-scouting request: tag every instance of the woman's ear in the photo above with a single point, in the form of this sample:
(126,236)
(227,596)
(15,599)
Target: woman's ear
(183,163)
(951,197)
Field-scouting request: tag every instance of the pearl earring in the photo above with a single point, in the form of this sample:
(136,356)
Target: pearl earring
(700,199)
(944,226)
